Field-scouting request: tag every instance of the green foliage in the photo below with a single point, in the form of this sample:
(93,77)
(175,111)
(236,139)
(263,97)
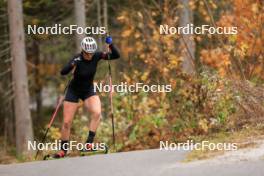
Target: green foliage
(197,105)
(203,103)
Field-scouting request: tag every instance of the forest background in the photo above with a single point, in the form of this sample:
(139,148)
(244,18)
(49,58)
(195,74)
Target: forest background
(217,80)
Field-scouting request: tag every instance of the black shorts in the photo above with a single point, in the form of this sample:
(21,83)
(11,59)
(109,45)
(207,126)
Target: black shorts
(74,96)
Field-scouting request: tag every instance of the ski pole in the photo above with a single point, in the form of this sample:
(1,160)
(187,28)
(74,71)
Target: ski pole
(50,123)
(111,104)
(111,97)
(61,99)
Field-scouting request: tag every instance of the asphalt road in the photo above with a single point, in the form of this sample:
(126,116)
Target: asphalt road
(137,163)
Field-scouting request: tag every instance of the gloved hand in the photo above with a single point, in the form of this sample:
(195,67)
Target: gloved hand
(108,40)
(75,61)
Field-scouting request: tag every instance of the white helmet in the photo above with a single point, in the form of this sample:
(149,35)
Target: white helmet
(89,45)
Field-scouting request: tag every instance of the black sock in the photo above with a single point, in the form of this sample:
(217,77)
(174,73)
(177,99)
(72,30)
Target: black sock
(90,137)
(64,146)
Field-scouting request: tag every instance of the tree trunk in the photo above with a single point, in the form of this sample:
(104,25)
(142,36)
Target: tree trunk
(24,132)
(79,9)
(105,14)
(10,128)
(38,85)
(187,41)
(99,23)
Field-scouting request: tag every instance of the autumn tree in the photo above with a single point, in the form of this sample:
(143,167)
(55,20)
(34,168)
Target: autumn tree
(239,55)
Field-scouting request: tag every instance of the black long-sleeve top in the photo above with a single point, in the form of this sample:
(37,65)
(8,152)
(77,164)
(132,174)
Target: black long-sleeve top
(85,70)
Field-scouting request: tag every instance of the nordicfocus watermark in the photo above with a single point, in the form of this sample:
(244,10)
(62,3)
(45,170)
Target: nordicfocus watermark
(137,87)
(58,29)
(200,30)
(72,145)
(204,145)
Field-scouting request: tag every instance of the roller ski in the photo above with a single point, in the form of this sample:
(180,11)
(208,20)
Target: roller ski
(90,150)
(87,151)
(59,155)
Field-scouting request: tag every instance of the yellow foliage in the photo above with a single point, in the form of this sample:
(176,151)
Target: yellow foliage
(54,133)
(145,76)
(216,58)
(247,44)
(126,33)
(203,124)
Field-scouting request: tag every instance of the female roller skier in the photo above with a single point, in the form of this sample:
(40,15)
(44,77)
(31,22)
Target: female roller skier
(81,87)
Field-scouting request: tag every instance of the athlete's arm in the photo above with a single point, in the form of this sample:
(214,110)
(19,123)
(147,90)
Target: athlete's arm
(69,66)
